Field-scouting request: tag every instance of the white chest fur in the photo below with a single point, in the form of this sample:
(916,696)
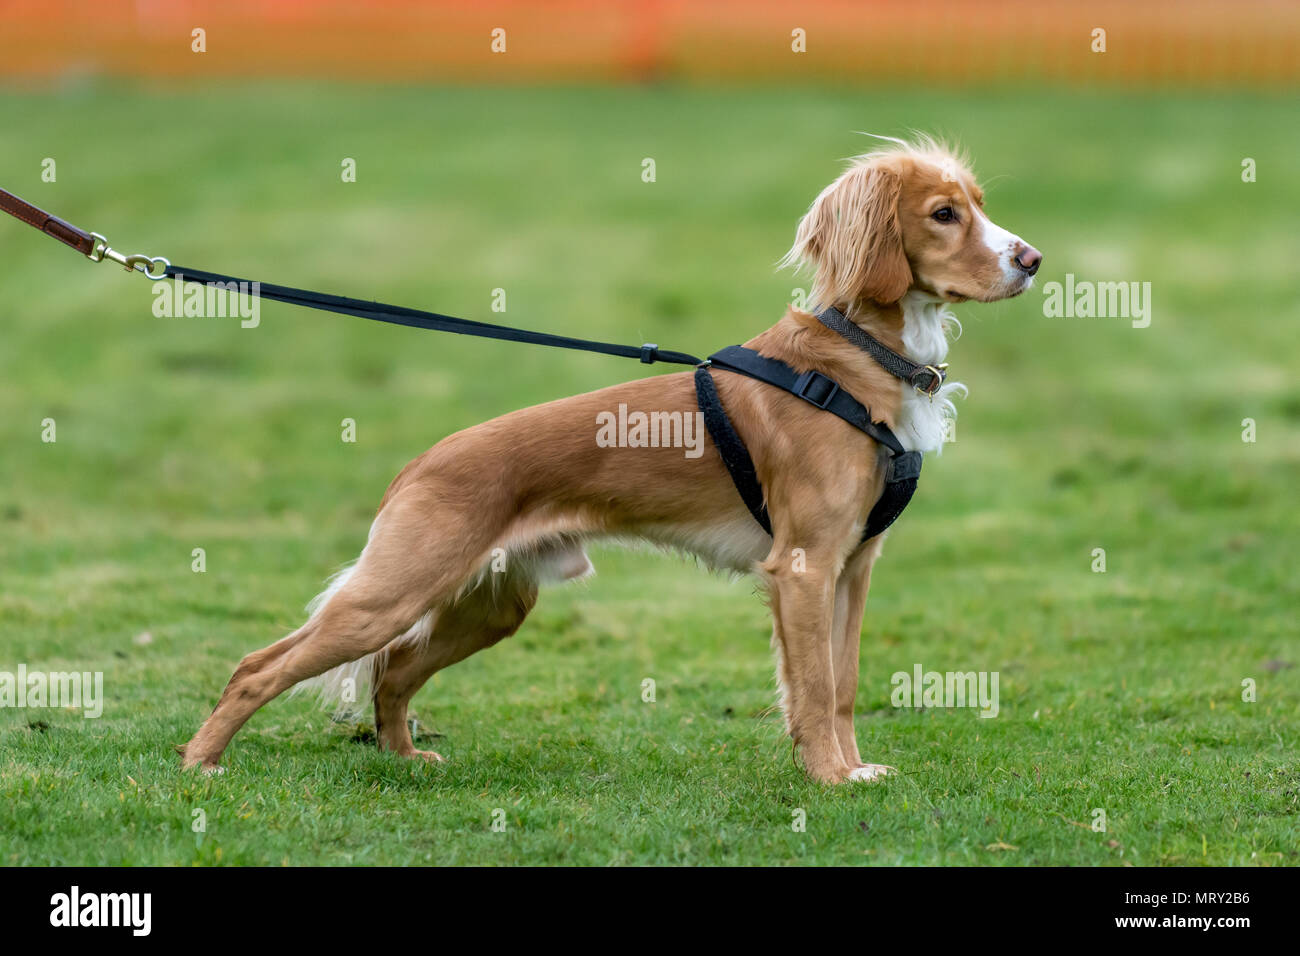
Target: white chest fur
(923,422)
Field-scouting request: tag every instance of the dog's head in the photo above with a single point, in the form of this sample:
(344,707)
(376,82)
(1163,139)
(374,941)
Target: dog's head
(909,217)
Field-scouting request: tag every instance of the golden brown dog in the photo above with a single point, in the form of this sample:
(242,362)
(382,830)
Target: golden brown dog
(469,529)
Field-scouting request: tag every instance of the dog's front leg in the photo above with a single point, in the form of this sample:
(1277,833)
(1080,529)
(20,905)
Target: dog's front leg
(846,636)
(802,600)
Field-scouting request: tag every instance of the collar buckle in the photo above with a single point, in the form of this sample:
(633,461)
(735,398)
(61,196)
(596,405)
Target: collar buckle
(937,375)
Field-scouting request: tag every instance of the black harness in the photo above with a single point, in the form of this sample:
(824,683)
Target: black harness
(812,387)
(822,392)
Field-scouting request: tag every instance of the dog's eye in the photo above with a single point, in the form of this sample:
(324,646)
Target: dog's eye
(945,214)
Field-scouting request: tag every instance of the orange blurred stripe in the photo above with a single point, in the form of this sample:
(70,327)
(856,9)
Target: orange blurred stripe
(1250,42)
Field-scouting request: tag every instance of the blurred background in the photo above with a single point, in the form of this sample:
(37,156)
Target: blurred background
(502,145)
(1163,42)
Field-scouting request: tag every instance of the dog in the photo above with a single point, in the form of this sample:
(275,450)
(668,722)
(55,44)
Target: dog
(469,530)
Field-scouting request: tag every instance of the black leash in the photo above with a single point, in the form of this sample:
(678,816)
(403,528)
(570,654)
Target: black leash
(419,319)
(96,248)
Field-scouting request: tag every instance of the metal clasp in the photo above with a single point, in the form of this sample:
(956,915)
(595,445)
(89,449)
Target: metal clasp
(146,265)
(940,372)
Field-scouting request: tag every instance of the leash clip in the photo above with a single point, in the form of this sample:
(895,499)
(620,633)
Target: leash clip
(100,250)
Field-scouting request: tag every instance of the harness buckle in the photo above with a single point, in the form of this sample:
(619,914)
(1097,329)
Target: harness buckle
(816,389)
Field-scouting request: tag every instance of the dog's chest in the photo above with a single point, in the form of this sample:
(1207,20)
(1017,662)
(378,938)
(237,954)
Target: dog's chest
(923,421)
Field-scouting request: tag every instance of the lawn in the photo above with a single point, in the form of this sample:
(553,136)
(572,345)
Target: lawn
(1120,691)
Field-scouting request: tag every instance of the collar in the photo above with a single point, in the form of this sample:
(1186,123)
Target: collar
(926,379)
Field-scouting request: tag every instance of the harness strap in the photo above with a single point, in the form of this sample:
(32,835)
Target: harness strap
(820,391)
(900,485)
(734,454)
(813,387)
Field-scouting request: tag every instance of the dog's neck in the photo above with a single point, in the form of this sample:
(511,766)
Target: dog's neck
(917,326)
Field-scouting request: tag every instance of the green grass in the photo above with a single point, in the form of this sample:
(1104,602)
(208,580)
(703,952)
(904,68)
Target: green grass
(1119,691)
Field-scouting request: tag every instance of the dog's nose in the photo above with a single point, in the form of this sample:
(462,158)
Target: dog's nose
(1029,259)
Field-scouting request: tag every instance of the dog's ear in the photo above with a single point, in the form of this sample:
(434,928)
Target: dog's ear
(852,239)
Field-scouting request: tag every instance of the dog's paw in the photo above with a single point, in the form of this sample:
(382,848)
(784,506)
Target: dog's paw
(870,772)
(204,767)
(428,756)
(208,770)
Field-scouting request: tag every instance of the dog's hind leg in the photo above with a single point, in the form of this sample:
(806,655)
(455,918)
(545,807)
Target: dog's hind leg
(488,614)
(420,555)
(492,611)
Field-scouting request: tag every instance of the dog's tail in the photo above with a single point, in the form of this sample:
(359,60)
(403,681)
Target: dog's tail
(346,689)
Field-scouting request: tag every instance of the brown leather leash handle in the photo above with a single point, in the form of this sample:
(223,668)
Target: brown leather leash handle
(90,244)
(65,232)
